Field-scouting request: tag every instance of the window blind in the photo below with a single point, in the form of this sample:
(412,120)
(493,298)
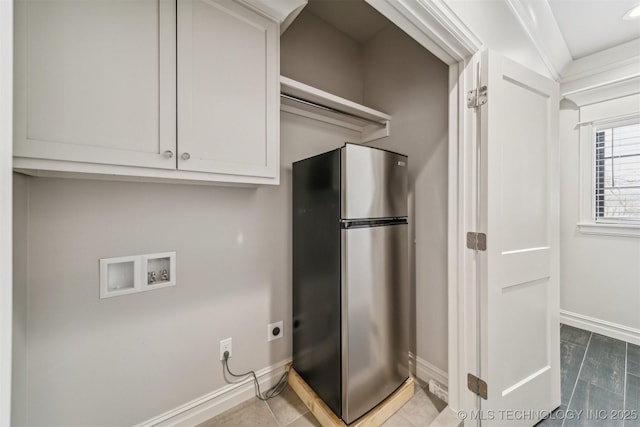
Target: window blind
(617,173)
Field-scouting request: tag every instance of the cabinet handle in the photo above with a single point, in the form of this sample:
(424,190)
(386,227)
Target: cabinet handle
(168,154)
(186,156)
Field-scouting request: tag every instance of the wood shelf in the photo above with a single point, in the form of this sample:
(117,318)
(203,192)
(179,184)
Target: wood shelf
(308,101)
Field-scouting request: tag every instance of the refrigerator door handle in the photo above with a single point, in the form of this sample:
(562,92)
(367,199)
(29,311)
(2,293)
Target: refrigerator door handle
(364,223)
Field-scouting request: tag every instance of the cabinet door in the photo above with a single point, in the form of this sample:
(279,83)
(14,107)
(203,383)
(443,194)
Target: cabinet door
(228,89)
(95,81)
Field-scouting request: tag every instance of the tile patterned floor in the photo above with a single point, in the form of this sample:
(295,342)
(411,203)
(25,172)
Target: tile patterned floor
(599,376)
(287,410)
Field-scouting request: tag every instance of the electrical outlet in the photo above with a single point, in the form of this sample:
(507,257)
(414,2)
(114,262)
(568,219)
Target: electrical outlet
(225,345)
(274,331)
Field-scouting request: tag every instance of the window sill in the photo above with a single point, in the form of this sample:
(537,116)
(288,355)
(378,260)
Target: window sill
(618,230)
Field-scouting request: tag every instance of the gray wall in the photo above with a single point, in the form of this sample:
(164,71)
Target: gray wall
(314,53)
(20,278)
(123,360)
(401,78)
(404,80)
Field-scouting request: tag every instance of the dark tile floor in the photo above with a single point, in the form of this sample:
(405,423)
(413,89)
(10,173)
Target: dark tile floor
(600,381)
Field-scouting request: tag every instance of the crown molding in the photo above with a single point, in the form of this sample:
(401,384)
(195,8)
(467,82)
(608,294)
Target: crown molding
(608,74)
(538,22)
(604,91)
(603,75)
(284,25)
(434,25)
(618,57)
(276,10)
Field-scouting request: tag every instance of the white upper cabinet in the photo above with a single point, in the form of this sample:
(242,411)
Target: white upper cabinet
(95,81)
(155,89)
(228,89)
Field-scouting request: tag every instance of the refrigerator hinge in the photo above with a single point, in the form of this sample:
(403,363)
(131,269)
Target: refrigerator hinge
(477,97)
(477,241)
(477,386)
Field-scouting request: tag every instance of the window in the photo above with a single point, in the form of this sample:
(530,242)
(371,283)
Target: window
(617,173)
(608,190)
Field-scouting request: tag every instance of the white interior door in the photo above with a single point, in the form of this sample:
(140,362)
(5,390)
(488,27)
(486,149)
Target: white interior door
(518,272)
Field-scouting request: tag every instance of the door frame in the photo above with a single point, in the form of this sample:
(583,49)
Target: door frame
(437,28)
(6,207)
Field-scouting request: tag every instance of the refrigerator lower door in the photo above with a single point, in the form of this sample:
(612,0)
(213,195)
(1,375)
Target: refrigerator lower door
(375,320)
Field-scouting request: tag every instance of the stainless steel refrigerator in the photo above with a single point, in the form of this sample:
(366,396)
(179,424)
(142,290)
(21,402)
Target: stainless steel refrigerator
(350,276)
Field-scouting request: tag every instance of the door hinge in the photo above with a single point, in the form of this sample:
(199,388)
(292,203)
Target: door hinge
(477,241)
(477,386)
(477,97)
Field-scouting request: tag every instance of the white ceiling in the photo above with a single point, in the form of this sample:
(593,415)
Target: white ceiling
(562,30)
(590,26)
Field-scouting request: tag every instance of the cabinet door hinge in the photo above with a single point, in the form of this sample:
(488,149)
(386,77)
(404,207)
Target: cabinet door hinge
(477,97)
(477,386)
(477,241)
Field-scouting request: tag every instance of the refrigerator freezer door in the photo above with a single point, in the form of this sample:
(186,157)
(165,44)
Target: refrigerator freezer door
(374,183)
(375,319)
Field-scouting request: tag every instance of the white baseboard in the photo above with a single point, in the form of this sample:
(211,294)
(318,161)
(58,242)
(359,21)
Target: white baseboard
(601,327)
(218,401)
(425,371)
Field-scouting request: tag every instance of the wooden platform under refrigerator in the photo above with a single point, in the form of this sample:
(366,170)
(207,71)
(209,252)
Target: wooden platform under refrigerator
(373,418)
